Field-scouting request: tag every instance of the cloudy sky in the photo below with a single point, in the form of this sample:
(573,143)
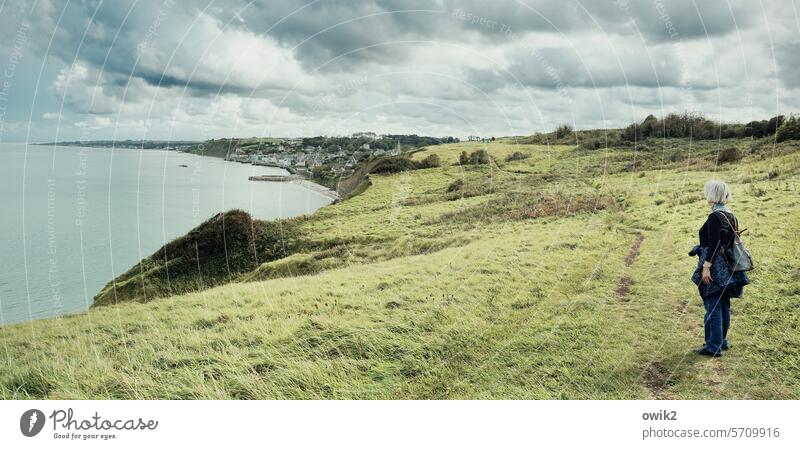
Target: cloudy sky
(178,69)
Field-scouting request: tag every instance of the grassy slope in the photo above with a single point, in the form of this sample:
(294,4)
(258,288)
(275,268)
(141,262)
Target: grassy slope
(432,299)
(223,147)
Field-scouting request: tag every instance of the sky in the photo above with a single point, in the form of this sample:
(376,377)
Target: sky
(195,70)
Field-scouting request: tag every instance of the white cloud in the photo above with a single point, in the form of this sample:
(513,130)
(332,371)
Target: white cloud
(94,123)
(215,55)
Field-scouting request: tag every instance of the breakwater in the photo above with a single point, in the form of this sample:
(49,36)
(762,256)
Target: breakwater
(275,178)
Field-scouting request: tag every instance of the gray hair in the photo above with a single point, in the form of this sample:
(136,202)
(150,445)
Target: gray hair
(717,191)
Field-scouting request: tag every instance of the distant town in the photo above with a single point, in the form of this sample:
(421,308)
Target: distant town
(297,155)
(322,158)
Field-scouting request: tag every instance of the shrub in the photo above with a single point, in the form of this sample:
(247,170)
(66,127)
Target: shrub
(431,161)
(231,242)
(399,164)
(393,165)
(459,189)
(593,144)
(730,154)
(479,157)
(456,185)
(516,156)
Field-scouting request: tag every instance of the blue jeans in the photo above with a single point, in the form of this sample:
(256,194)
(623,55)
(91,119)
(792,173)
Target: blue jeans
(717,321)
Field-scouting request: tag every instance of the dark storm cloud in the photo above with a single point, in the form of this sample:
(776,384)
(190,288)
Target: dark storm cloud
(554,68)
(597,66)
(195,86)
(110,36)
(100,33)
(690,19)
(323,30)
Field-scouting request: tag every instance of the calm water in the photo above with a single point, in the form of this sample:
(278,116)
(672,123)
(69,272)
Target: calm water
(74,218)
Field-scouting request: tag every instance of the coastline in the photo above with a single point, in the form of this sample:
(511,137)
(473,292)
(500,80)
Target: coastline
(318,189)
(301,181)
(292,176)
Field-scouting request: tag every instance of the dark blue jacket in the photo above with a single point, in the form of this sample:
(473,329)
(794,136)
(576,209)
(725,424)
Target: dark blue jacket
(724,280)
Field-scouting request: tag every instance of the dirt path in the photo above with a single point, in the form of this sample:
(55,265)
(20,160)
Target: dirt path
(656,379)
(634,251)
(655,376)
(624,283)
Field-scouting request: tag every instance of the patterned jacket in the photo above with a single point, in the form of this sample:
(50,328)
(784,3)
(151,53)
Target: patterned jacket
(724,280)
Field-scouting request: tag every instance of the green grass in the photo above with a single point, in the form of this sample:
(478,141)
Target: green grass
(223,147)
(513,284)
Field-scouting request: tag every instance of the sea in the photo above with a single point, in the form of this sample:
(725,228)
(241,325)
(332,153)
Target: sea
(74,218)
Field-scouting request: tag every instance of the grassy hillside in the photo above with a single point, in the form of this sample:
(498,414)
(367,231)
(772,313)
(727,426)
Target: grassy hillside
(550,272)
(224,147)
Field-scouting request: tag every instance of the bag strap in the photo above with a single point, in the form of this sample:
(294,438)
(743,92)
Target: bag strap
(734,228)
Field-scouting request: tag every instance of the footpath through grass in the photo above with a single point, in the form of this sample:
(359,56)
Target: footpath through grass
(561,273)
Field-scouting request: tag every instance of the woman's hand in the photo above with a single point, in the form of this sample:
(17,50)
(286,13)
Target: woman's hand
(707,279)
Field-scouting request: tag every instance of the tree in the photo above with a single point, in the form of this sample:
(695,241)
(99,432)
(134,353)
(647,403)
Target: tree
(650,127)
(756,128)
(789,130)
(563,131)
(773,124)
(631,133)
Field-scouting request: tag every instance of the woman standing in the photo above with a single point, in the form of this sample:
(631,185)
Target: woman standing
(715,281)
